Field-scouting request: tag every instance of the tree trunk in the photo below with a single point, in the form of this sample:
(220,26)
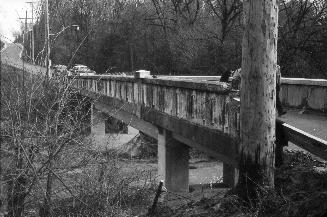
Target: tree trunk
(258,97)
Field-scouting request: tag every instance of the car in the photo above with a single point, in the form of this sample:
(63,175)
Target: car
(79,69)
(59,70)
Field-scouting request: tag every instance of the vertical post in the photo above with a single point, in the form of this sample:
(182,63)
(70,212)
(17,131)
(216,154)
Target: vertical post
(30,43)
(173,157)
(258,96)
(26,32)
(47,47)
(32,36)
(23,49)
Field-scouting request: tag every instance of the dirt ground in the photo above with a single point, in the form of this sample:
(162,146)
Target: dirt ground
(300,191)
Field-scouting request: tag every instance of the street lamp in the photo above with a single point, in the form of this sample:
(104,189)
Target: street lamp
(48,63)
(56,35)
(63,29)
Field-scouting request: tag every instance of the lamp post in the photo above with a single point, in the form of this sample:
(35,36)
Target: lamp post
(47,43)
(63,29)
(60,32)
(56,35)
(49,47)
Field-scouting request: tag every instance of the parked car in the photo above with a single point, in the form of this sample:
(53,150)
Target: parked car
(79,69)
(59,70)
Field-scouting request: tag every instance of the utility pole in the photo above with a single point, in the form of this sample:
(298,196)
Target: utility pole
(258,97)
(32,32)
(25,38)
(47,41)
(26,30)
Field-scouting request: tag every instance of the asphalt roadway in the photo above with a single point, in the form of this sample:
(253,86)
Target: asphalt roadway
(11,55)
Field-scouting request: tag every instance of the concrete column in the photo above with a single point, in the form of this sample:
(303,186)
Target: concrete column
(98,121)
(113,125)
(230,175)
(173,158)
(86,116)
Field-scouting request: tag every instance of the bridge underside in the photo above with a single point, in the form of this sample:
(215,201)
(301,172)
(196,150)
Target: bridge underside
(175,135)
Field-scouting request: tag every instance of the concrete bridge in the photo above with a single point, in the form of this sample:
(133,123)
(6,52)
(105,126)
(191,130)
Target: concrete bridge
(198,112)
(194,111)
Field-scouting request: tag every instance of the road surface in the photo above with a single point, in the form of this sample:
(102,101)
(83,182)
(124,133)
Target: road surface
(11,55)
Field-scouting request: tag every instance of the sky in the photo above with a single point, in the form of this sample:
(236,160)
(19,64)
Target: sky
(10,11)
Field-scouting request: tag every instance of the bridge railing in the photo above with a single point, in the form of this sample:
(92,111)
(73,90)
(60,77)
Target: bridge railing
(203,103)
(304,93)
(295,92)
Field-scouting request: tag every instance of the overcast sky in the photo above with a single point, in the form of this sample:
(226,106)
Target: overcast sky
(10,11)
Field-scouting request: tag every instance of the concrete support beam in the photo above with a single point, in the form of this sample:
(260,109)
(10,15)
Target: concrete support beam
(113,125)
(173,159)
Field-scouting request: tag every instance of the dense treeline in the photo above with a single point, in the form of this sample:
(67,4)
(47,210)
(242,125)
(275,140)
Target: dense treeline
(180,37)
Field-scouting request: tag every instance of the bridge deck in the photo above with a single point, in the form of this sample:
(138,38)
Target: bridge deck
(314,124)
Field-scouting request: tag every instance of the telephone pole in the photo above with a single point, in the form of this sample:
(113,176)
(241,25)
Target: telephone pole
(29,37)
(32,32)
(26,31)
(47,47)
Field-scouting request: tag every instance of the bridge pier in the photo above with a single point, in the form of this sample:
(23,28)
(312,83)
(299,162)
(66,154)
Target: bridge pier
(113,125)
(173,162)
(86,114)
(230,175)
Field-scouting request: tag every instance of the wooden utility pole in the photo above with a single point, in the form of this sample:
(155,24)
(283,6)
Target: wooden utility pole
(258,96)
(26,31)
(32,32)
(47,46)
(29,40)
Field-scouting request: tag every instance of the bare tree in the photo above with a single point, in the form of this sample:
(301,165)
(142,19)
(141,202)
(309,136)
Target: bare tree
(38,124)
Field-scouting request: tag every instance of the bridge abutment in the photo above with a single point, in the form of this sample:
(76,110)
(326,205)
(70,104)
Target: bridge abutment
(113,125)
(173,162)
(85,115)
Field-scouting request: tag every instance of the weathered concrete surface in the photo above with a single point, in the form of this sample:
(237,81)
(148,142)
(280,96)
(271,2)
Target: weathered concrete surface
(101,141)
(200,114)
(308,93)
(179,106)
(114,125)
(196,114)
(295,92)
(173,159)
(214,142)
(127,115)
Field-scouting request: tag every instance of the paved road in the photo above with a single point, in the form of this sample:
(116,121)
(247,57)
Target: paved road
(11,55)
(314,124)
